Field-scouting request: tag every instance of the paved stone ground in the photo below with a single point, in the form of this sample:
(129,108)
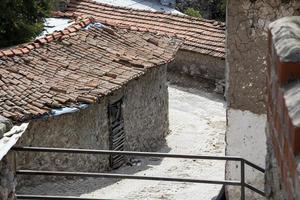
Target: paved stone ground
(197,123)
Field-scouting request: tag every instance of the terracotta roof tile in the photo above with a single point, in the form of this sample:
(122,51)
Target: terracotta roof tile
(202,36)
(76,66)
(17,51)
(8,52)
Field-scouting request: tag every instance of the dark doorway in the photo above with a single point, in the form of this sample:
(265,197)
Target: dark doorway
(117,133)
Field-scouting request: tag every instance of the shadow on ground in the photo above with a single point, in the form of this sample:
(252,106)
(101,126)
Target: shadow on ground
(79,186)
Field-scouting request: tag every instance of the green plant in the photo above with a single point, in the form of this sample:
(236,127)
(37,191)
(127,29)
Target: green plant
(22,20)
(192,12)
(219,7)
(222,9)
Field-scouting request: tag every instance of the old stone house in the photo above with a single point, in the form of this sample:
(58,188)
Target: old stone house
(246,69)
(283,154)
(88,86)
(202,54)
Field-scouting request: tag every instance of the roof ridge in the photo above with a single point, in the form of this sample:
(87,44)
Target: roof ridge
(25,48)
(160,12)
(198,34)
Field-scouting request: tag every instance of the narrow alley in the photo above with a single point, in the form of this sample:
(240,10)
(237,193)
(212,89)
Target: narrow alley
(197,123)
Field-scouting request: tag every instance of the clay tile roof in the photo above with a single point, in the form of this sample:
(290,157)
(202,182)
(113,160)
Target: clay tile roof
(81,65)
(200,35)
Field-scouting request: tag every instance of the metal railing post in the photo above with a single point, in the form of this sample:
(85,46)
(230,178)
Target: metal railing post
(242,179)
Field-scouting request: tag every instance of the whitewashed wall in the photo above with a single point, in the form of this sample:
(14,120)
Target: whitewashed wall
(245,137)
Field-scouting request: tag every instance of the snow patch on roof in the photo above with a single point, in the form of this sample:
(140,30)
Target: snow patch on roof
(94,25)
(10,138)
(55,24)
(152,5)
(66,110)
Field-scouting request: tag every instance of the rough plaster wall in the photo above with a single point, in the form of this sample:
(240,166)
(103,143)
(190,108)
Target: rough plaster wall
(247,23)
(246,138)
(198,65)
(146,111)
(7,178)
(87,128)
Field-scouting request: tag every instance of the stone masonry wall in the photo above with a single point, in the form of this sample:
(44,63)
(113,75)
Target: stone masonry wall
(7,178)
(145,111)
(198,65)
(283,129)
(87,128)
(247,22)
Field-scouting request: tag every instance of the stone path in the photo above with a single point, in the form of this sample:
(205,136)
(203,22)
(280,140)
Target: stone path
(197,123)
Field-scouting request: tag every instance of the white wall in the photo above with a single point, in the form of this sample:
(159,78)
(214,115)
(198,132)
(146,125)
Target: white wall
(245,137)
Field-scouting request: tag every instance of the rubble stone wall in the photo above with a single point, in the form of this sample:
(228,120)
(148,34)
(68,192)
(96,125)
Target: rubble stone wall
(87,129)
(146,112)
(198,65)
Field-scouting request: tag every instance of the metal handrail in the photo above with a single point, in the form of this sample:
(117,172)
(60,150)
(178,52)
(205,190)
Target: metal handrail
(125,176)
(128,153)
(55,197)
(240,183)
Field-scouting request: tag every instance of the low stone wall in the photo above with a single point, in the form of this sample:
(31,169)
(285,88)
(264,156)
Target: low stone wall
(7,177)
(198,65)
(87,128)
(145,111)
